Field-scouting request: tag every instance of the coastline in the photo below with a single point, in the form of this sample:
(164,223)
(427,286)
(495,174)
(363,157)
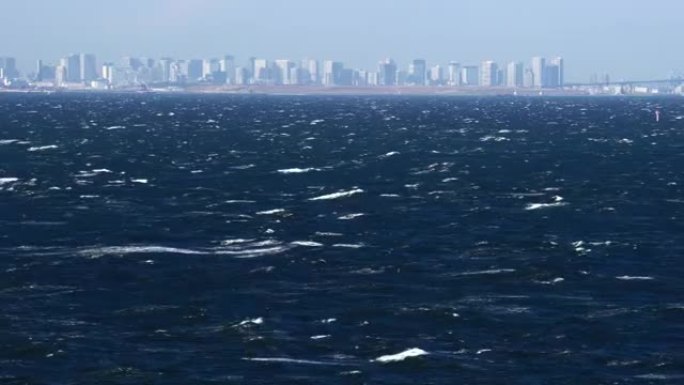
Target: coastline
(335,91)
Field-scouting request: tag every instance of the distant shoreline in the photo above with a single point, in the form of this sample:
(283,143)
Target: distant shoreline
(333,91)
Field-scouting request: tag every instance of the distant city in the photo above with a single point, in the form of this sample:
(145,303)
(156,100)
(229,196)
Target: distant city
(82,72)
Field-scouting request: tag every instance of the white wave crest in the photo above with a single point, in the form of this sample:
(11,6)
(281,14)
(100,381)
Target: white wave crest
(410,353)
(540,206)
(338,195)
(297,170)
(8,180)
(42,148)
(635,278)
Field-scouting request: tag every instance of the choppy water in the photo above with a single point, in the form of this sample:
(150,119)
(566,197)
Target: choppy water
(299,240)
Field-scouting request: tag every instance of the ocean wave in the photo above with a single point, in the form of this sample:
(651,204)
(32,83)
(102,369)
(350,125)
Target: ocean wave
(410,353)
(338,195)
(43,148)
(297,170)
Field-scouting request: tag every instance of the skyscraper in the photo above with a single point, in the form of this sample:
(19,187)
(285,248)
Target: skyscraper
(195,68)
(9,67)
(554,73)
(88,67)
(539,72)
(454,75)
(437,75)
(387,73)
(489,74)
(470,75)
(72,64)
(417,72)
(284,72)
(261,71)
(514,75)
(332,73)
(227,66)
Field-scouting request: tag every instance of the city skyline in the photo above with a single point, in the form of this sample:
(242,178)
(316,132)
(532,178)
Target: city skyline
(626,41)
(83,70)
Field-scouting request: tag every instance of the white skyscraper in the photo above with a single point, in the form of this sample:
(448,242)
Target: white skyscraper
(437,75)
(284,68)
(539,72)
(488,74)
(514,75)
(261,74)
(454,76)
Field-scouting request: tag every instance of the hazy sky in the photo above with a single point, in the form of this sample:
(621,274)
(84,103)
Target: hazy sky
(626,38)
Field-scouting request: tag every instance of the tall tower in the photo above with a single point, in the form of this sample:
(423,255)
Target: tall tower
(539,72)
(514,75)
(88,67)
(418,72)
(489,72)
(454,74)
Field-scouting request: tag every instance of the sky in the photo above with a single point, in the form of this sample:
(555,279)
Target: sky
(629,39)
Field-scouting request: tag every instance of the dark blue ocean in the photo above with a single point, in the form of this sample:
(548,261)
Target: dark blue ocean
(198,239)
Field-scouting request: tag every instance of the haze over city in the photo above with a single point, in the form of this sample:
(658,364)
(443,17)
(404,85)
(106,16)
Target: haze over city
(628,40)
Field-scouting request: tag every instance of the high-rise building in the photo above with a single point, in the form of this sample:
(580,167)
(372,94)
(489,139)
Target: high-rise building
(554,73)
(489,71)
(332,73)
(108,73)
(61,75)
(284,72)
(261,73)
(227,66)
(210,67)
(514,75)
(313,69)
(437,75)
(539,72)
(454,74)
(195,69)
(417,74)
(9,67)
(387,73)
(72,64)
(88,67)
(470,75)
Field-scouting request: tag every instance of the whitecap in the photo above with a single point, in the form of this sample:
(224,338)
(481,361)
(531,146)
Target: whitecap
(230,242)
(486,272)
(42,148)
(306,244)
(114,128)
(410,353)
(539,206)
(8,141)
(389,154)
(337,195)
(350,216)
(297,170)
(320,337)
(119,250)
(254,321)
(102,171)
(491,138)
(141,181)
(316,121)
(288,361)
(635,278)
(349,245)
(271,212)
(8,180)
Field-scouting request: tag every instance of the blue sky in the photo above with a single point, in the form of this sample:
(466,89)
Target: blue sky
(626,38)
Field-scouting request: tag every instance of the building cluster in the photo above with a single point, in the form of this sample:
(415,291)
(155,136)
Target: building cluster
(82,70)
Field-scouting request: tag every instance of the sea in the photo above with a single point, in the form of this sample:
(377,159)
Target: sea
(263,239)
